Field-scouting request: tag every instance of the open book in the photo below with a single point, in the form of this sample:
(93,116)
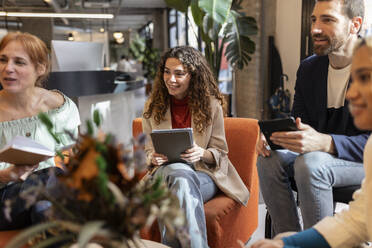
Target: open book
(172,142)
(24,151)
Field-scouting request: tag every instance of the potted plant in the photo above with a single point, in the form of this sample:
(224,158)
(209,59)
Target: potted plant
(101,197)
(141,49)
(221,24)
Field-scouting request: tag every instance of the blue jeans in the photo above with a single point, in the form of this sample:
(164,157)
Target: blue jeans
(315,173)
(192,189)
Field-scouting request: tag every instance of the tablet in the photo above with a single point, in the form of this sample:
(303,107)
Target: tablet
(172,142)
(270,126)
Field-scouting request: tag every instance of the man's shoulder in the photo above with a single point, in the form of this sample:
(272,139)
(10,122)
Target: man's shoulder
(315,60)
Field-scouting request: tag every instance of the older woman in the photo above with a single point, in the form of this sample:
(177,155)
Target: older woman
(24,65)
(354,226)
(185,94)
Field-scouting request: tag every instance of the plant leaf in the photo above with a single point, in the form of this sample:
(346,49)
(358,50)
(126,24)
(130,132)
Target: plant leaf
(197,13)
(180,5)
(211,28)
(88,231)
(54,239)
(90,129)
(237,33)
(45,120)
(97,118)
(30,232)
(218,10)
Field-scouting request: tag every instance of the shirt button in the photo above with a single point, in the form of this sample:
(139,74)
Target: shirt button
(28,134)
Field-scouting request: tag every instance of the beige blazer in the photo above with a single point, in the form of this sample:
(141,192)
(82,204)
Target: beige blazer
(213,139)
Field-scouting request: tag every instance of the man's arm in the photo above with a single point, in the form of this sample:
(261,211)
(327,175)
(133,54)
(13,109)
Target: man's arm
(350,147)
(298,108)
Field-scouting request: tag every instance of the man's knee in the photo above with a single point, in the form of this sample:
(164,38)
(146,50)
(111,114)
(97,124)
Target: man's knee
(310,165)
(269,166)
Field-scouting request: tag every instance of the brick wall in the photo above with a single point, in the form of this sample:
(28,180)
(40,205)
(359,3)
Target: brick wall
(250,94)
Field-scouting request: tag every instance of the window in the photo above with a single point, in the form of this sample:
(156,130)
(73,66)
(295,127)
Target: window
(182,29)
(172,24)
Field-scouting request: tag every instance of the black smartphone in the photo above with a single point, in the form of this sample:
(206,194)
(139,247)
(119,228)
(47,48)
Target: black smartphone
(276,125)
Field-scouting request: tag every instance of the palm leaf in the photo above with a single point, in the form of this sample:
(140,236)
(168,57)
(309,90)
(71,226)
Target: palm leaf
(211,28)
(197,13)
(180,5)
(237,33)
(218,10)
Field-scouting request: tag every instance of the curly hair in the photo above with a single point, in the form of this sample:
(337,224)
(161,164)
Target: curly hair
(202,86)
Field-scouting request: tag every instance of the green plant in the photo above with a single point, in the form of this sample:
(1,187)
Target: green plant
(137,48)
(222,22)
(142,50)
(101,197)
(150,62)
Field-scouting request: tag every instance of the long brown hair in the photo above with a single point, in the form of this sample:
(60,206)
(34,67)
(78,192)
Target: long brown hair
(35,49)
(202,86)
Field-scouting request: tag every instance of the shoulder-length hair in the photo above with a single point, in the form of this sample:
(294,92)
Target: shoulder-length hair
(202,87)
(35,49)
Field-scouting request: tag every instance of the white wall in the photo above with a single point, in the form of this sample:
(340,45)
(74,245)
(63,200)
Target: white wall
(368,16)
(95,37)
(288,37)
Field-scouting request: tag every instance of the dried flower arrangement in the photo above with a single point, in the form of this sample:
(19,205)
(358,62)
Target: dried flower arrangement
(100,198)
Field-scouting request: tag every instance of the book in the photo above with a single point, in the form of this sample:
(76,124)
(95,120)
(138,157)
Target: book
(24,151)
(172,142)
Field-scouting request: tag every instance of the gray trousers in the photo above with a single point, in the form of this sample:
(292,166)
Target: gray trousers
(192,189)
(315,173)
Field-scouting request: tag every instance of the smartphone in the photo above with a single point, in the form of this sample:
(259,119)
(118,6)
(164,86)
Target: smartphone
(276,125)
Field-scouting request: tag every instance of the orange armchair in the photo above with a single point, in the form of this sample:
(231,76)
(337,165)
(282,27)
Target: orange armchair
(227,220)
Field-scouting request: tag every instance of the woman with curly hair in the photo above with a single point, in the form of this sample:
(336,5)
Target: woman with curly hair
(185,94)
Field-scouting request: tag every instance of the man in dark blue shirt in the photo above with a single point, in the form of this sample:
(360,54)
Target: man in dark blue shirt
(327,150)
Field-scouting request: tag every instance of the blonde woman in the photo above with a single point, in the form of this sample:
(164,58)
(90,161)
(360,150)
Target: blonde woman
(24,65)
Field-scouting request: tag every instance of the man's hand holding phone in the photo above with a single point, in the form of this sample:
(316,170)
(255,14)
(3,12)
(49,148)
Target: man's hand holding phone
(262,148)
(306,139)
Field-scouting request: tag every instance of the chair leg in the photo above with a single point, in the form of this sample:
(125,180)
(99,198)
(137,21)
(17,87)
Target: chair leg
(268,227)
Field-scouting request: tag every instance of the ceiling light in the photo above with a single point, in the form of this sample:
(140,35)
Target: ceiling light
(120,40)
(57,15)
(117,35)
(70,37)
(102,30)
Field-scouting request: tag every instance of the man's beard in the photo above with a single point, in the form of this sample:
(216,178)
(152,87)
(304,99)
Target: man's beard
(332,45)
(322,50)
